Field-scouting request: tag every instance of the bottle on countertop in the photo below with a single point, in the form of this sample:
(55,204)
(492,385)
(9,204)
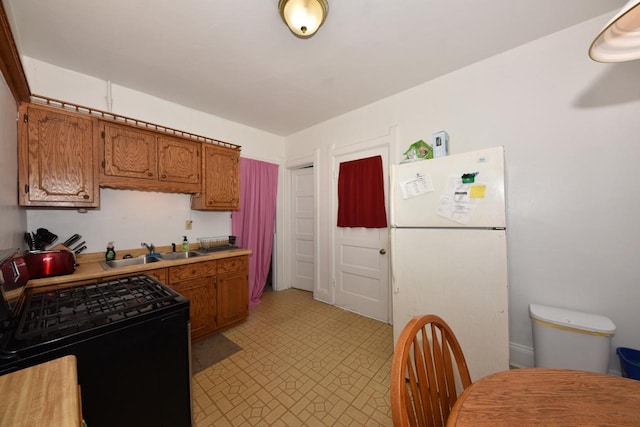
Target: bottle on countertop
(110,255)
(185,244)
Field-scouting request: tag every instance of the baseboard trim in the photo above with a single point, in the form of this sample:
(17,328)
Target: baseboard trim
(520,356)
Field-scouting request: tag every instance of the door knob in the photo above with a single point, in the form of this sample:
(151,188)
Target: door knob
(383,251)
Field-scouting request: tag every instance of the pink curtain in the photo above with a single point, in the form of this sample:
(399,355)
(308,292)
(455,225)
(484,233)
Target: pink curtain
(361,194)
(254,224)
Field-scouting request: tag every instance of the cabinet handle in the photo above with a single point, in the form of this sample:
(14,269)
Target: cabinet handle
(86,196)
(149,173)
(164,175)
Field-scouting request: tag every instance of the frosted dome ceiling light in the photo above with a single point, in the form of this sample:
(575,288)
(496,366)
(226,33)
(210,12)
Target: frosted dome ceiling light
(303,17)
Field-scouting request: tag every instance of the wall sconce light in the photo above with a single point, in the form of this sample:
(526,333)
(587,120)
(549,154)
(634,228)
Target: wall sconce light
(619,40)
(303,17)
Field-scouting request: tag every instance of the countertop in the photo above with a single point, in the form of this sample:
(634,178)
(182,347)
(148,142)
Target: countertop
(42,395)
(90,268)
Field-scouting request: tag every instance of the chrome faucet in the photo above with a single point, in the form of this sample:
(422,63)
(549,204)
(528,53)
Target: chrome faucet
(150,248)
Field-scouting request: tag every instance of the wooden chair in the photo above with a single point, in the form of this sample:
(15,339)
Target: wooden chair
(425,379)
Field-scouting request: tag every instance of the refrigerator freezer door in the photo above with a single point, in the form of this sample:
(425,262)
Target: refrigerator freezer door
(460,275)
(485,197)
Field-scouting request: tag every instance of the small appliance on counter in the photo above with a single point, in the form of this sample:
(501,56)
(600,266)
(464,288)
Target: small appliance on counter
(50,263)
(13,277)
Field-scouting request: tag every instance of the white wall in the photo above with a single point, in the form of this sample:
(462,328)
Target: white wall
(132,217)
(571,132)
(13,220)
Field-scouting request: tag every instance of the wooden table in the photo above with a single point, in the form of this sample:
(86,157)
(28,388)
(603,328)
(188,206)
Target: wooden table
(548,397)
(42,395)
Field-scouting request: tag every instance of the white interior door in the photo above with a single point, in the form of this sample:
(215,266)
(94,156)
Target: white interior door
(302,207)
(361,260)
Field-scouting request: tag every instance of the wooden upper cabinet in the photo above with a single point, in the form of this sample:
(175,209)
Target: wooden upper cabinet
(66,152)
(220,179)
(179,161)
(136,159)
(129,153)
(56,158)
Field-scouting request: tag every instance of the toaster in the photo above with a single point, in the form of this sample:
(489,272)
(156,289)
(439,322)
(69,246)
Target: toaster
(50,263)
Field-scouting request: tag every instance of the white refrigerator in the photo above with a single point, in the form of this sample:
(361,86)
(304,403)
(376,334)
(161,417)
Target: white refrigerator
(448,251)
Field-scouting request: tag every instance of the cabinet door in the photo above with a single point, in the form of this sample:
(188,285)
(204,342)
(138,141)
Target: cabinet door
(57,164)
(129,153)
(220,179)
(202,304)
(178,160)
(233,297)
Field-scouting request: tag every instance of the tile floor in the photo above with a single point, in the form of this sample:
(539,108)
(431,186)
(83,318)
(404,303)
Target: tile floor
(302,363)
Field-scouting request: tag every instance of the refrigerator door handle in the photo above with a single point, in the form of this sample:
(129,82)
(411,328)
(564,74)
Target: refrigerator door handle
(392,241)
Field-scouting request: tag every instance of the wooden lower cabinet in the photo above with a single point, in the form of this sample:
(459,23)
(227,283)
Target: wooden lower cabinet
(201,294)
(218,292)
(233,290)
(197,283)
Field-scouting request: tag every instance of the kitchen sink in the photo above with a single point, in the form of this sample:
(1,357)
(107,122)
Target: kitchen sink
(127,262)
(171,256)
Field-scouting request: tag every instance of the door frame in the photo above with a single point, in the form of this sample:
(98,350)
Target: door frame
(319,292)
(388,141)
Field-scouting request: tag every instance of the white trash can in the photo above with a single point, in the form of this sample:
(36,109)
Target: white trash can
(570,339)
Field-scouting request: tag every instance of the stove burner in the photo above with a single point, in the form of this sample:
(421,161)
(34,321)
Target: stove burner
(61,312)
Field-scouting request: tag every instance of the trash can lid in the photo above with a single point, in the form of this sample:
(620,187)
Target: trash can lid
(573,319)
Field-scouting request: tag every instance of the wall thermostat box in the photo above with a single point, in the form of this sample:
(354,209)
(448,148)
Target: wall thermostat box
(440,144)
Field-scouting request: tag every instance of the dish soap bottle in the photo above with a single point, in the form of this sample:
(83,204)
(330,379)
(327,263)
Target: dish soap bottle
(185,244)
(111,253)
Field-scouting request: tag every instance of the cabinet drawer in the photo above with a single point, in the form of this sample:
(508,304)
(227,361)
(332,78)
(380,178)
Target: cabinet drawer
(233,264)
(192,271)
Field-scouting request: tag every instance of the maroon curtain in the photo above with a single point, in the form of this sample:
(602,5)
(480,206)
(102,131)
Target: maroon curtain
(361,194)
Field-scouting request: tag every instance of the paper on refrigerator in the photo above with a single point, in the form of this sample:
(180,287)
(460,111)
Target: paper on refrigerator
(457,201)
(417,186)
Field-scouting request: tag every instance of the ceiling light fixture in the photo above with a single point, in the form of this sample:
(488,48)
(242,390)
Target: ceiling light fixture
(619,40)
(303,17)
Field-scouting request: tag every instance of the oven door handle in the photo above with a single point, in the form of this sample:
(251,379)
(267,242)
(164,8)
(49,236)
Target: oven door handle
(7,357)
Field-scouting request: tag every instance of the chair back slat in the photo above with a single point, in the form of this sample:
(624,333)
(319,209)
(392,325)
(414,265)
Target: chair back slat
(428,365)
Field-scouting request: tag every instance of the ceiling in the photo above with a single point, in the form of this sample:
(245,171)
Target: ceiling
(237,60)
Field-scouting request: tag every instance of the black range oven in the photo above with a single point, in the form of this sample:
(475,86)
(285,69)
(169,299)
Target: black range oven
(131,339)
